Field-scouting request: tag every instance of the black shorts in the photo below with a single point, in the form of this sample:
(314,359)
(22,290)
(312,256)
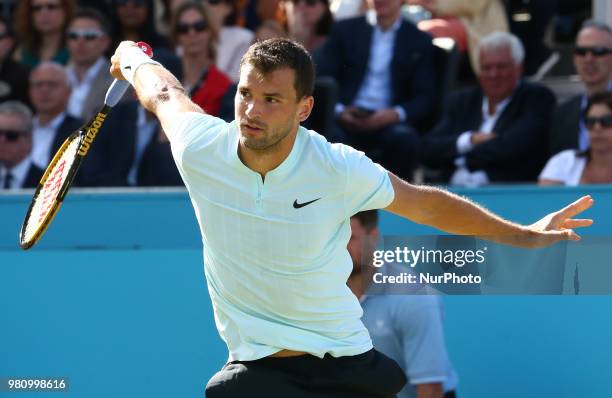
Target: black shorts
(368,375)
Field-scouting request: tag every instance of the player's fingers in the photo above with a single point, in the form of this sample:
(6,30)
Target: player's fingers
(577,222)
(577,207)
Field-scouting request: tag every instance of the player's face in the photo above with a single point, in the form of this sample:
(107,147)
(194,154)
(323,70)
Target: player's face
(498,73)
(267,108)
(594,69)
(362,244)
(600,136)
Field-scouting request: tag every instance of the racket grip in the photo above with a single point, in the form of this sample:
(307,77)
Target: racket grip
(115,92)
(118,88)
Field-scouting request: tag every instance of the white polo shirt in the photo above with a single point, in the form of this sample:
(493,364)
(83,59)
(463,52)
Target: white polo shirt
(276,266)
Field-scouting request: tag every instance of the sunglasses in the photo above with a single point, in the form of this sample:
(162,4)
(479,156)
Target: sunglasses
(604,121)
(182,28)
(137,3)
(47,6)
(88,35)
(596,51)
(11,135)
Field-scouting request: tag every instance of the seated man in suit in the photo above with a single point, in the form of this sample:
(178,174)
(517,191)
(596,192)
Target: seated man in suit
(87,69)
(384,69)
(497,131)
(593,62)
(49,93)
(16,168)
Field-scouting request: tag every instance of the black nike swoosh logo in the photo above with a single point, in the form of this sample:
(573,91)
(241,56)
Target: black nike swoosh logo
(127,67)
(297,205)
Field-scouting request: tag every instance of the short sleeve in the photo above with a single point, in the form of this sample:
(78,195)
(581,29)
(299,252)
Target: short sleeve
(419,323)
(558,167)
(368,185)
(191,127)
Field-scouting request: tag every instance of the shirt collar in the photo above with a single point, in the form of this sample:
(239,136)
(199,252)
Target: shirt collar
(281,169)
(18,172)
(53,124)
(371,19)
(91,73)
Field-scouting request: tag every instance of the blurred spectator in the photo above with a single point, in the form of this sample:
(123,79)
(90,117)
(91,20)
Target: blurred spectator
(486,129)
(269,29)
(135,20)
(259,11)
(308,22)
(16,167)
(384,69)
(529,20)
(406,327)
(593,166)
(593,62)
(233,40)
(13,75)
(88,68)
(195,37)
(41,30)
(49,93)
(131,150)
(465,21)
(342,9)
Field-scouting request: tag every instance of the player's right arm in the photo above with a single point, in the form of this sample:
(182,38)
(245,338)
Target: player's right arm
(158,90)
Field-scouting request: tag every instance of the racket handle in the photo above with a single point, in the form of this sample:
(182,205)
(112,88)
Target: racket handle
(118,88)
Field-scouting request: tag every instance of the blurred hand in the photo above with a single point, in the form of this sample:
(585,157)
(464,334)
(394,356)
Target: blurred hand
(560,225)
(479,138)
(115,69)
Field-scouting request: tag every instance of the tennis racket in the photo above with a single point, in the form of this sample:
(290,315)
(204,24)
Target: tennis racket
(62,169)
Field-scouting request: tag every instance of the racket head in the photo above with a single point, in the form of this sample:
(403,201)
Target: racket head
(51,190)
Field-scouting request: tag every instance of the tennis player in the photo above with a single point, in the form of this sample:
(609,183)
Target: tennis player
(273,201)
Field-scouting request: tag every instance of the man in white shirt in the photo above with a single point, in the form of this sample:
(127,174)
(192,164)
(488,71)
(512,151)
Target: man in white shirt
(88,40)
(486,129)
(384,68)
(49,93)
(273,201)
(16,168)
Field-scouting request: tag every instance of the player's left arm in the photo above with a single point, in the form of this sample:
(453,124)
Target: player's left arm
(457,215)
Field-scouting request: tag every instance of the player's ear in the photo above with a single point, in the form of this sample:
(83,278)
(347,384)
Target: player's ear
(305,107)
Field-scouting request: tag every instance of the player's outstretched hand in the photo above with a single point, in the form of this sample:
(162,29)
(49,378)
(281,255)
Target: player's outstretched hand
(560,225)
(115,69)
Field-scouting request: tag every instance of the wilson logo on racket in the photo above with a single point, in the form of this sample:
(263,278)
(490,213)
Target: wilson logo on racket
(92,131)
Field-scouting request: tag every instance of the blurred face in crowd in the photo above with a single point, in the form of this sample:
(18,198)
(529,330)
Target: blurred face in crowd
(193,33)
(48,16)
(386,9)
(304,12)
(267,108)
(499,74)
(86,41)
(599,123)
(593,57)
(15,140)
(49,89)
(362,244)
(132,13)
(6,42)
(219,10)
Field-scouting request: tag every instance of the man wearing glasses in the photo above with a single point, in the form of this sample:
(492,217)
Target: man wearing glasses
(16,167)
(87,40)
(593,62)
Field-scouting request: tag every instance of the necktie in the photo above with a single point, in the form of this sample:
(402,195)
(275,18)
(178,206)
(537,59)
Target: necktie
(8,179)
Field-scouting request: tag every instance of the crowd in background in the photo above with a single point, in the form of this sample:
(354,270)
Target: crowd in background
(441,91)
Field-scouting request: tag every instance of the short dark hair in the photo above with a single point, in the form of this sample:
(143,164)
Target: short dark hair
(93,14)
(604,97)
(368,218)
(278,53)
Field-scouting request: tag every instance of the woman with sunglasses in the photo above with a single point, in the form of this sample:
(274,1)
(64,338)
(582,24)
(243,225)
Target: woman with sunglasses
(308,21)
(593,166)
(194,38)
(41,30)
